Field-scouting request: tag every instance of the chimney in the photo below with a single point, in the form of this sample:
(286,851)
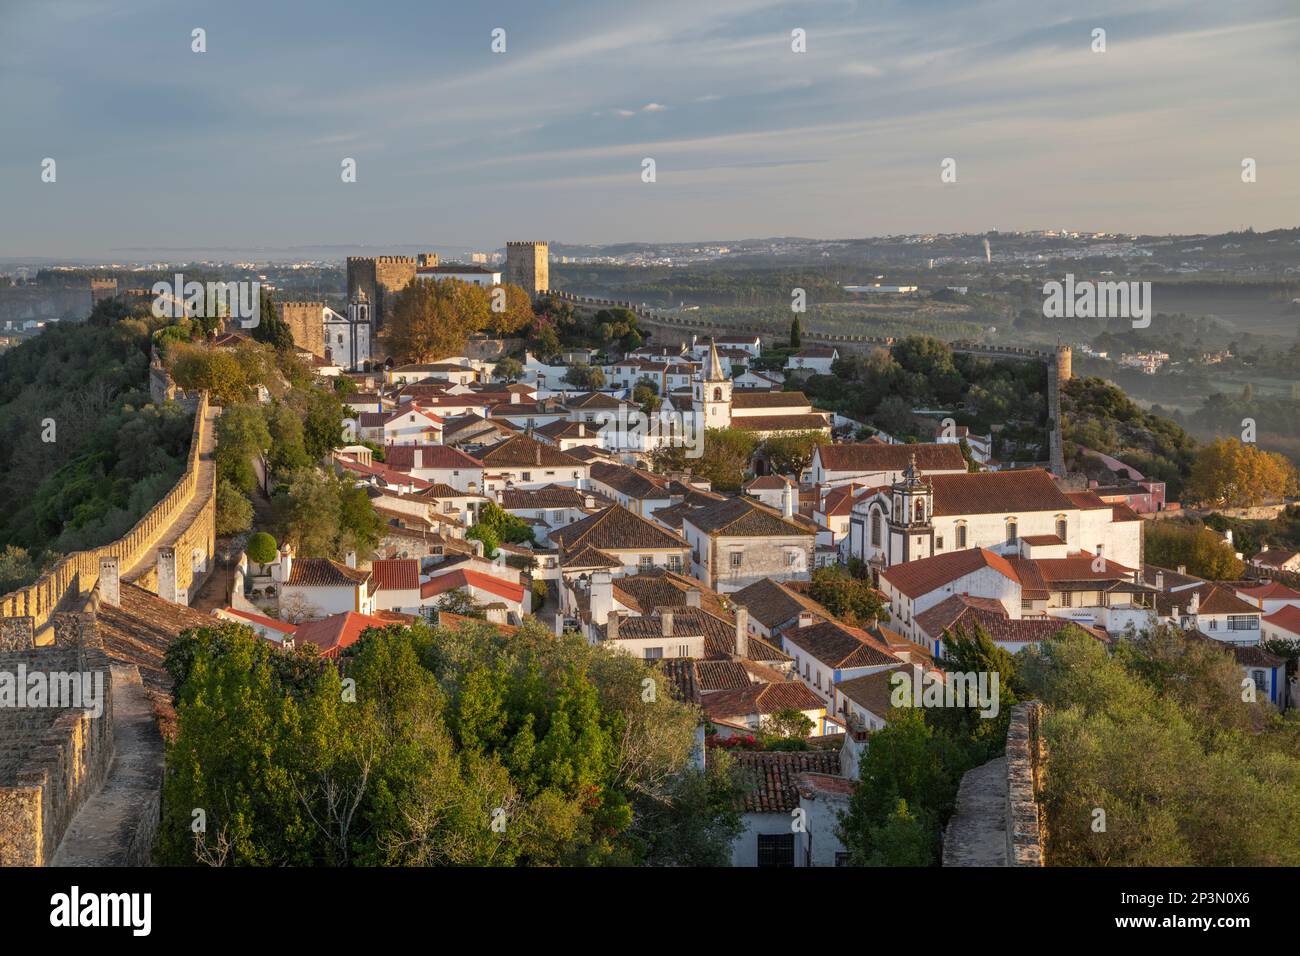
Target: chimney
(693,597)
(1194,605)
(478,547)
(742,632)
(1182,569)
(611,626)
(419,459)
(539,455)
(167,584)
(350,559)
(110,588)
(496,615)
(805,619)
(787,501)
(602,597)
(582,430)
(281,572)
(666,618)
(1160,580)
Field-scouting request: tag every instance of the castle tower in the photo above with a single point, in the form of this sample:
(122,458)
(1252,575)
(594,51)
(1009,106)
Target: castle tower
(381,278)
(1064,361)
(711,392)
(911,528)
(528,265)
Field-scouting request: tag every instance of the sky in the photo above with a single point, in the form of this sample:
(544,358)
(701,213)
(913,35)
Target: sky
(241,147)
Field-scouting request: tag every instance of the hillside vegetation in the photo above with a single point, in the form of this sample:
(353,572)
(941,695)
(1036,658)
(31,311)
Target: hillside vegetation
(1099,416)
(83,451)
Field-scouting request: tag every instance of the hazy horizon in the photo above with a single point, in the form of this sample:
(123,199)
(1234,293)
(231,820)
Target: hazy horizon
(240,148)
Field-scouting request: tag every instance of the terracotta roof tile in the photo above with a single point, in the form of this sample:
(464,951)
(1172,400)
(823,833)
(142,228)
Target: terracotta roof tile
(617,529)
(774,776)
(868,458)
(838,645)
(916,578)
(325,573)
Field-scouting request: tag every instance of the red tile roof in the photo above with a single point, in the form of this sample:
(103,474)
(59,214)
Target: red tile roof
(838,645)
(337,631)
(760,699)
(402,457)
(453,580)
(1287,618)
(396,574)
(866,458)
(1273,591)
(775,776)
(325,573)
(916,578)
(998,492)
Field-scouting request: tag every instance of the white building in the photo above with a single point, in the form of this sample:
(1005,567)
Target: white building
(922,515)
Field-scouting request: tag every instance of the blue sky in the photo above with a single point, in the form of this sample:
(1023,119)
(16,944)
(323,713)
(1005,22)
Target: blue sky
(241,146)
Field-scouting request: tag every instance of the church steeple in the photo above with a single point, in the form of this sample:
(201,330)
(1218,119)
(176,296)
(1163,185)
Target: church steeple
(714,373)
(711,393)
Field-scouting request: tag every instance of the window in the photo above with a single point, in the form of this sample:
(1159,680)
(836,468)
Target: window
(1213,624)
(654,653)
(1026,605)
(938,543)
(792,558)
(737,558)
(776,849)
(1261,681)
(1061,527)
(961,536)
(448,507)
(526,476)
(646,562)
(717,394)
(875,528)
(683,650)
(919,512)
(1013,531)
(1243,622)
(817,680)
(674,562)
(1067,599)
(841,859)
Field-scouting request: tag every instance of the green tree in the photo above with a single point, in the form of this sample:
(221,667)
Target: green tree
(242,435)
(234,510)
(852,600)
(261,548)
(587,377)
(905,761)
(434,319)
(791,453)
(796,336)
(271,329)
(322,429)
(288,450)
(1171,543)
(509,369)
(790,723)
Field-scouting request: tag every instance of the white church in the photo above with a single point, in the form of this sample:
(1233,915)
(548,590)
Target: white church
(1018,512)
